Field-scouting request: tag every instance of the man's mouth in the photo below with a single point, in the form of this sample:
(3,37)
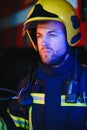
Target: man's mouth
(45,50)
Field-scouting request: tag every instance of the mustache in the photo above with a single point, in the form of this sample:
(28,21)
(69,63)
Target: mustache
(45,48)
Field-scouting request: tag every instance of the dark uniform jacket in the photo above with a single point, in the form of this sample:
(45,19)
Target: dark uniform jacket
(59,98)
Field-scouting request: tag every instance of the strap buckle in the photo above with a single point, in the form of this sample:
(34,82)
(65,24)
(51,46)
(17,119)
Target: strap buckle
(71,98)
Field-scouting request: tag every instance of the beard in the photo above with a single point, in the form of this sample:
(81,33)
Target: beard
(50,57)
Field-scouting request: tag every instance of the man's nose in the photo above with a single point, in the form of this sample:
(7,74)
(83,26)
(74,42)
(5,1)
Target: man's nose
(45,41)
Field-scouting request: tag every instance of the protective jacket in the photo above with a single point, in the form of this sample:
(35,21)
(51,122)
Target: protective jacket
(59,99)
(64,106)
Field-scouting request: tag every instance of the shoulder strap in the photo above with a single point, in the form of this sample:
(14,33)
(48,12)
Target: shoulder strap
(72,97)
(24,97)
(83,85)
(32,76)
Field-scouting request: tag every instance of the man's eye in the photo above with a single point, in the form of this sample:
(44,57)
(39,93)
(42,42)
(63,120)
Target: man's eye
(38,36)
(52,35)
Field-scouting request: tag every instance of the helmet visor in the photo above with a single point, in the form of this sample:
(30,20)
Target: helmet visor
(31,28)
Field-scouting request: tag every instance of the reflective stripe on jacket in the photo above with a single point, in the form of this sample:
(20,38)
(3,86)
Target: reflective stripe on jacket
(19,121)
(2,125)
(39,98)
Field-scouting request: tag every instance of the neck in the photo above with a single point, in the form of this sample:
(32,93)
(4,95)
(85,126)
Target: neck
(61,61)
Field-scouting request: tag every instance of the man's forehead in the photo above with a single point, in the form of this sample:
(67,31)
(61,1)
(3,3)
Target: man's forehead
(50,24)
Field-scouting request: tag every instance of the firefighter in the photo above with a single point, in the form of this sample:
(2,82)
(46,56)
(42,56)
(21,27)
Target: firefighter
(55,96)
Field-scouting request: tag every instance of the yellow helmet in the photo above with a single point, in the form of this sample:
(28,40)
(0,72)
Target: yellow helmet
(59,10)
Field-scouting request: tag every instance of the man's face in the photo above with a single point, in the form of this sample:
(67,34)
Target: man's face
(51,41)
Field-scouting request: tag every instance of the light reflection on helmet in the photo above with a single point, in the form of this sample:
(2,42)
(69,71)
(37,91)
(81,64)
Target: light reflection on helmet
(59,10)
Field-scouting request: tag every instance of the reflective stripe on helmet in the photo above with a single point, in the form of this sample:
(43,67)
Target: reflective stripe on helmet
(2,125)
(19,121)
(39,98)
